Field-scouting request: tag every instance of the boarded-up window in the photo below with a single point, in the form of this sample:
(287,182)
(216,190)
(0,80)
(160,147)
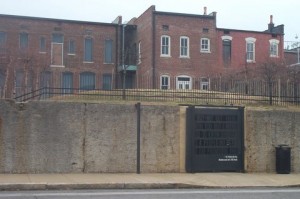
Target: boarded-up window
(57,49)
(23,40)
(226,51)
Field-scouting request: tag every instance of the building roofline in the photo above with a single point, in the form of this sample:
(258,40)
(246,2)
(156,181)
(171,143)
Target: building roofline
(253,31)
(57,20)
(210,16)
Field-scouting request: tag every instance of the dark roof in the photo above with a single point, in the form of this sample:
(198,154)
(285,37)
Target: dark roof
(251,31)
(210,16)
(57,20)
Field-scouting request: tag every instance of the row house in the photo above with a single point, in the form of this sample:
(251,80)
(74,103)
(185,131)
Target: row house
(183,51)
(39,52)
(159,50)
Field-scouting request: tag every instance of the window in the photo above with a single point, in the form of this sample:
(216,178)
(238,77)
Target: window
(184,47)
(165,46)
(204,85)
(250,49)
(274,47)
(164,82)
(88,49)
(165,27)
(2,39)
(57,49)
(139,53)
(184,82)
(19,82)
(57,38)
(87,81)
(205,45)
(23,40)
(45,79)
(67,82)
(106,84)
(108,51)
(226,49)
(71,47)
(42,44)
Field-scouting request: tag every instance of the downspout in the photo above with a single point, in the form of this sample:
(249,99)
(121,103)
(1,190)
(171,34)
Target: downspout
(117,55)
(153,50)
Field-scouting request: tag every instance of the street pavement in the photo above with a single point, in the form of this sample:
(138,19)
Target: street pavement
(146,181)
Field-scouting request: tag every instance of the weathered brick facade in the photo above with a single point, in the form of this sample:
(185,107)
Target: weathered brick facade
(159,50)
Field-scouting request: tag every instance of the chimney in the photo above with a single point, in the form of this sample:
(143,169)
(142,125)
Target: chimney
(205,10)
(271,24)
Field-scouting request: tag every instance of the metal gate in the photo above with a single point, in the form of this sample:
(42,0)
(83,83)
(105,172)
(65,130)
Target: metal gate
(215,139)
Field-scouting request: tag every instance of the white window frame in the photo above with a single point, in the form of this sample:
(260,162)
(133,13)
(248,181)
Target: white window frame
(182,84)
(204,85)
(274,43)
(250,40)
(162,46)
(187,47)
(205,47)
(161,82)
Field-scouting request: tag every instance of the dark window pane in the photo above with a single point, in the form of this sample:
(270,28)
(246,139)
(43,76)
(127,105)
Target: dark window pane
(2,38)
(88,49)
(45,79)
(42,44)
(108,51)
(106,82)
(67,82)
(23,40)
(87,81)
(71,47)
(226,51)
(57,38)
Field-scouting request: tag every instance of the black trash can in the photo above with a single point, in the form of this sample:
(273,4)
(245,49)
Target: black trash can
(283,159)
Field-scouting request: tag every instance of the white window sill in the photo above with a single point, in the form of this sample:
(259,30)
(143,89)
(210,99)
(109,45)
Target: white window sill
(251,61)
(57,66)
(274,56)
(204,51)
(165,56)
(108,63)
(71,54)
(184,57)
(42,52)
(88,62)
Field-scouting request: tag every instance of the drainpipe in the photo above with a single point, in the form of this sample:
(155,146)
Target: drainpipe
(153,50)
(123,62)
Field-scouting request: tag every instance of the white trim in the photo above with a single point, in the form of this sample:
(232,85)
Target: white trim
(187,46)
(184,83)
(226,37)
(203,50)
(169,46)
(250,40)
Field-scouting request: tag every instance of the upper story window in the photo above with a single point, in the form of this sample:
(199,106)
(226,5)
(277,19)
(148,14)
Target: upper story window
(42,44)
(184,47)
(88,49)
(165,46)
(139,53)
(205,45)
(250,49)
(108,51)
(23,40)
(2,39)
(226,49)
(71,47)
(274,43)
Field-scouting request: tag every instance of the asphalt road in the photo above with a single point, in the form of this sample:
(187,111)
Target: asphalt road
(158,194)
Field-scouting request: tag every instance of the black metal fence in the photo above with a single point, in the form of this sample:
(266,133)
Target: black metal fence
(231,93)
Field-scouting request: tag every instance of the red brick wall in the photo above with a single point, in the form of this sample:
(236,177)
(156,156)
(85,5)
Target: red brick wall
(36,28)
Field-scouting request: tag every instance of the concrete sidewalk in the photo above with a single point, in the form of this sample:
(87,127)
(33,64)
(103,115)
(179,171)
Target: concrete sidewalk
(145,181)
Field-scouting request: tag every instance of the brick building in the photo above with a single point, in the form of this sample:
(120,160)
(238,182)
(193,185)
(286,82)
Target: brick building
(155,50)
(183,51)
(37,52)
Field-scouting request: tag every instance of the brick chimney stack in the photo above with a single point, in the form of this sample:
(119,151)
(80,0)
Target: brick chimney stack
(205,10)
(271,24)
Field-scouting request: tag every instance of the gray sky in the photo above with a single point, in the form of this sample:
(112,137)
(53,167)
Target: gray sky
(234,14)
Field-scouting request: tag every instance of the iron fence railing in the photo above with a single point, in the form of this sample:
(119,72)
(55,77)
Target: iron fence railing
(157,95)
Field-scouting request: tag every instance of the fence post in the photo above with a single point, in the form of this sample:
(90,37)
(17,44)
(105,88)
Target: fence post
(138,150)
(270,92)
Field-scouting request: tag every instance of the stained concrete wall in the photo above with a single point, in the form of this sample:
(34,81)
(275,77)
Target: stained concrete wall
(51,137)
(265,129)
(66,137)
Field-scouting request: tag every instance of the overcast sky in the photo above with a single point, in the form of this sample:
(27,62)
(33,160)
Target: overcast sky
(234,14)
